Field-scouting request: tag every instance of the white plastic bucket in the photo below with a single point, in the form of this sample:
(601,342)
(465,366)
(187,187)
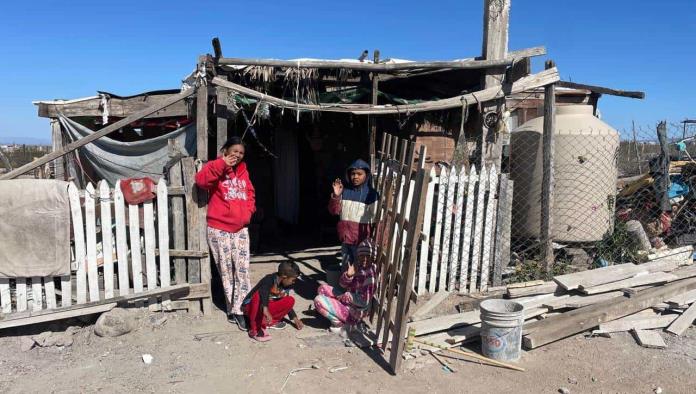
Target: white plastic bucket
(501,329)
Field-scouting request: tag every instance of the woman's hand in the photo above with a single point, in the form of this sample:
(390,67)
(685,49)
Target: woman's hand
(337,187)
(267,316)
(298,323)
(230,160)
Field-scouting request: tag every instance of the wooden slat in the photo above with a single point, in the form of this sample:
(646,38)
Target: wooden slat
(91,237)
(121,241)
(547,182)
(468,229)
(641,323)
(438,202)
(178,224)
(477,235)
(136,261)
(65,291)
(686,298)
(425,244)
(457,231)
(21,294)
(5,296)
(649,339)
(50,291)
(684,321)
(489,225)
(602,90)
(647,279)
(597,276)
(150,244)
(36,293)
(107,245)
(192,233)
(502,242)
(447,230)
(438,262)
(163,234)
(79,238)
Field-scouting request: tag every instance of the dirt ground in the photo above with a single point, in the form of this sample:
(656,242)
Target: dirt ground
(194,354)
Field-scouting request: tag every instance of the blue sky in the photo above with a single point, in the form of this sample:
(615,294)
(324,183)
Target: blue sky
(70,49)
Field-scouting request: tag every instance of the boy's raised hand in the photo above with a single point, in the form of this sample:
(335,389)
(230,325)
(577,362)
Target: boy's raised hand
(337,187)
(350,271)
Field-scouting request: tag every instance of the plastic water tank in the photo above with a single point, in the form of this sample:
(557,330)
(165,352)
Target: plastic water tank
(585,175)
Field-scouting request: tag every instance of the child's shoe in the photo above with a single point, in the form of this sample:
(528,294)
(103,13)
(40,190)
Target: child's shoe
(278,326)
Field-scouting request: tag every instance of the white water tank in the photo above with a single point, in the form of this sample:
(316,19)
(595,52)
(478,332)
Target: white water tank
(585,175)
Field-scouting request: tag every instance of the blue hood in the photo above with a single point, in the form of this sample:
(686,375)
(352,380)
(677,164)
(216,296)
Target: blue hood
(363,193)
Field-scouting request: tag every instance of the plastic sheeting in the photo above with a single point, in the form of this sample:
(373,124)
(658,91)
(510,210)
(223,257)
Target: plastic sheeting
(112,160)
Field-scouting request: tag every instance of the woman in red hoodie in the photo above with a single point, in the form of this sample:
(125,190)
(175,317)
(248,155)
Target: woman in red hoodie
(230,206)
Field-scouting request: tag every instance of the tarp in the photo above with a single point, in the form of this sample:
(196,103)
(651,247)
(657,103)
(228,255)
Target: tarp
(111,160)
(34,228)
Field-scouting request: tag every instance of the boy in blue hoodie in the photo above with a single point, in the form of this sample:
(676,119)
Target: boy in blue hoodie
(356,203)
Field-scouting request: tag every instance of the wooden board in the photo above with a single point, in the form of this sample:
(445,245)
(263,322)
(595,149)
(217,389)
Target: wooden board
(447,322)
(597,276)
(50,289)
(136,260)
(79,238)
(178,223)
(684,321)
(642,324)
(107,234)
(489,225)
(431,304)
(649,339)
(5,296)
(579,301)
(543,288)
(542,299)
(423,261)
(36,294)
(578,320)
(65,291)
(447,231)
(121,240)
(478,230)
(457,229)
(150,245)
(436,267)
(192,233)
(21,294)
(91,238)
(639,280)
(685,298)
(468,230)
(163,236)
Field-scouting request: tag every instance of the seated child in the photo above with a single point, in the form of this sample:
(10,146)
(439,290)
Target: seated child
(348,306)
(269,301)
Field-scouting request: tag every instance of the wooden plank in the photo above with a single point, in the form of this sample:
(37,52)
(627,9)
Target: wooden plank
(5,296)
(506,238)
(541,288)
(178,224)
(602,90)
(578,320)
(118,107)
(500,241)
(684,321)
(21,294)
(222,97)
(540,300)
(121,240)
(547,183)
(579,301)
(478,230)
(36,294)
(163,235)
(57,143)
(150,244)
(644,323)
(65,291)
(598,276)
(456,236)
(649,339)
(79,310)
(91,237)
(136,260)
(685,298)
(447,231)
(639,280)
(79,238)
(425,243)
(192,233)
(50,289)
(107,234)
(96,135)
(468,229)
(206,274)
(431,304)
(436,267)
(489,225)
(447,322)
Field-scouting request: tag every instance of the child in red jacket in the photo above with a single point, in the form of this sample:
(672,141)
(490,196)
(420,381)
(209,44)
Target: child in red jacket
(230,206)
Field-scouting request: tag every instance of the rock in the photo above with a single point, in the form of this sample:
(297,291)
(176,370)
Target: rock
(147,358)
(158,320)
(564,390)
(594,379)
(114,323)
(48,339)
(26,344)
(658,390)
(572,381)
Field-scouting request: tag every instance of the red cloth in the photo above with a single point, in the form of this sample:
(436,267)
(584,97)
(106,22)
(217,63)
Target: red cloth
(278,309)
(138,190)
(232,196)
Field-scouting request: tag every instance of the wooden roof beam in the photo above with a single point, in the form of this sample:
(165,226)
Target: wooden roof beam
(387,67)
(602,90)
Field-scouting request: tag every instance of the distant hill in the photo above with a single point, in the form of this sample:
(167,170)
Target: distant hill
(6,140)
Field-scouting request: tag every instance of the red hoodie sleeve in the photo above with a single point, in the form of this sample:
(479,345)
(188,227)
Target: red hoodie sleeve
(335,204)
(208,177)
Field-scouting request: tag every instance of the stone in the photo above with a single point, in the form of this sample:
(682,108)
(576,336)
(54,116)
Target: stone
(147,358)
(564,390)
(48,339)
(114,323)
(658,390)
(158,320)
(26,344)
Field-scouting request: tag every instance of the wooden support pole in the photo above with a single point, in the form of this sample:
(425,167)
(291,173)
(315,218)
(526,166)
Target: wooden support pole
(372,119)
(221,102)
(547,183)
(202,112)
(178,227)
(96,135)
(57,142)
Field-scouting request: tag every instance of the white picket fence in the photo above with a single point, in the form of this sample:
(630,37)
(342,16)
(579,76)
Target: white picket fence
(88,285)
(456,247)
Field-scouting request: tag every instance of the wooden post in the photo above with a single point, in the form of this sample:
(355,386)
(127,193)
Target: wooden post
(496,22)
(202,113)
(547,182)
(372,118)
(178,225)
(222,97)
(57,142)
(635,146)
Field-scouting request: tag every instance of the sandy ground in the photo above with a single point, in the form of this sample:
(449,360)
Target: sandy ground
(194,354)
